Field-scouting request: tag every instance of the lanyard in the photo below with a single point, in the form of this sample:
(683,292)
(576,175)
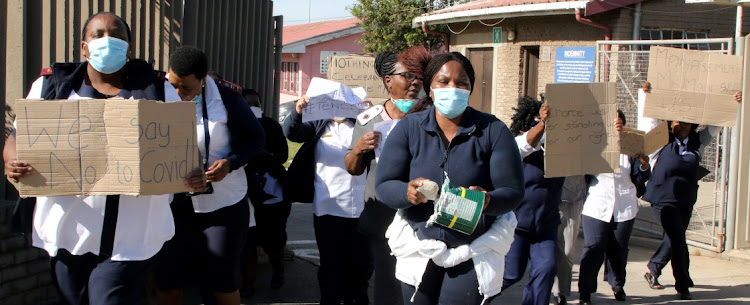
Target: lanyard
(207,136)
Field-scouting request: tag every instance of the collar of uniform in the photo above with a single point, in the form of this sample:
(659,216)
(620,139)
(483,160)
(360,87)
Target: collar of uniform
(465,127)
(683,142)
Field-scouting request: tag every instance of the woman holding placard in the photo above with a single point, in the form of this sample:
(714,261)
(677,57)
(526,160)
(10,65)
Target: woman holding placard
(534,242)
(608,217)
(475,150)
(100,246)
(672,192)
(318,174)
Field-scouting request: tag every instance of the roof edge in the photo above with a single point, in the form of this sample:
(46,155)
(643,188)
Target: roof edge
(296,46)
(523,10)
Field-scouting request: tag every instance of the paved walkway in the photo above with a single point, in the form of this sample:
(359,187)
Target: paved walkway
(717,281)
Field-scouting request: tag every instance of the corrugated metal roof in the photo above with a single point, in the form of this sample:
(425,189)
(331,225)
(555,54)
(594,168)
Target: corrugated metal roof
(293,33)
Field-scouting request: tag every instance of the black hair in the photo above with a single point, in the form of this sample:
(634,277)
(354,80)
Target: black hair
(439,60)
(86,24)
(247,92)
(385,64)
(188,60)
(621,115)
(525,116)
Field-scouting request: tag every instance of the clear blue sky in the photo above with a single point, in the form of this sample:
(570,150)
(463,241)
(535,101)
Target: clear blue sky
(296,11)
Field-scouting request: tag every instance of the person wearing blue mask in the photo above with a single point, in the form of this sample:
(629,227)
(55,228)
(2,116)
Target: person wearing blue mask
(476,150)
(402,76)
(534,243)
(211,226)
(100,246)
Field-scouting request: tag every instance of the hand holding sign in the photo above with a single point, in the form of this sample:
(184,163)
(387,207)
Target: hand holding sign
(329,99)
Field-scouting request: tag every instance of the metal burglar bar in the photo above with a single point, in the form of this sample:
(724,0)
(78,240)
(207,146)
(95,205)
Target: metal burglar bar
(628,67)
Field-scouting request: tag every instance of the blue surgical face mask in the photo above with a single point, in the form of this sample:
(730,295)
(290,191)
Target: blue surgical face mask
(198,99)
(542,140)
(404,105)
(108,54)
(451,102)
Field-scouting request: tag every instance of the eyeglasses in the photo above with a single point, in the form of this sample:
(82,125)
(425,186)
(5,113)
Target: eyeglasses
(408,76)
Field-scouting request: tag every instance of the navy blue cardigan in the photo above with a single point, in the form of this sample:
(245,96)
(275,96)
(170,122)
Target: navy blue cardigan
(483,153)
(301,173)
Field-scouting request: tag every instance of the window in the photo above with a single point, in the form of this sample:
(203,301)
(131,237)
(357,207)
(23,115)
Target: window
(659,34)
(289,74)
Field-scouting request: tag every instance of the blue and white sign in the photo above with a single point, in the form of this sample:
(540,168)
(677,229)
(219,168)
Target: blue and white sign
(574,64)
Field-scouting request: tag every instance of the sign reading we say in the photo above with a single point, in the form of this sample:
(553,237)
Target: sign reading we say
(103,147)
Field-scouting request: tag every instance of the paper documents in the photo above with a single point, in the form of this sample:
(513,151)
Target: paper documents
(385,128)
(457,208)
(329,99)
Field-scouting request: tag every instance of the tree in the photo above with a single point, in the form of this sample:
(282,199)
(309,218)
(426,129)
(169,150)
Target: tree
(387,24)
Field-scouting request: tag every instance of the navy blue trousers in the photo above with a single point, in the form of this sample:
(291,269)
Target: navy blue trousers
(604,240)
(674,220)
(387,289)
(538,251)
(345,262)
(450,286)
(96,280)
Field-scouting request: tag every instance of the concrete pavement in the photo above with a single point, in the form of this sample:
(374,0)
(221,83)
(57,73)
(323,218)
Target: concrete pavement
(717,281)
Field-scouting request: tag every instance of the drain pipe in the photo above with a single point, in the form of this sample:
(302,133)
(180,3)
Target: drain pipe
(637,22)
(607,36)
(446,38)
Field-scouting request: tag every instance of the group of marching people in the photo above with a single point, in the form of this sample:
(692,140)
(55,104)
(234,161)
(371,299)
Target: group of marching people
(365,183)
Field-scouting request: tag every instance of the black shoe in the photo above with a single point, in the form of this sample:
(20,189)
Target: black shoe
(277,280)
(560,300)
(652,281)
(585,299)
(619,294)
(685,295)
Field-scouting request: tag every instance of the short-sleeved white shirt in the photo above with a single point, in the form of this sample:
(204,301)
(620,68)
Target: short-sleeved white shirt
(74,223)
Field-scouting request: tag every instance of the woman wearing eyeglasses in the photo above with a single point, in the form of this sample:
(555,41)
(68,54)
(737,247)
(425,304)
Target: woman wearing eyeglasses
(402,76)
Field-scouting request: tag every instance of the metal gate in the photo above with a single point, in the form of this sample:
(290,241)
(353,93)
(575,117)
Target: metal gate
(626,63)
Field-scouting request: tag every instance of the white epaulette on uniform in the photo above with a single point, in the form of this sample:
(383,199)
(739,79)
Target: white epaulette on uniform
(368,114)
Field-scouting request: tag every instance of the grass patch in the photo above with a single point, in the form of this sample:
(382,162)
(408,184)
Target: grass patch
(293,148)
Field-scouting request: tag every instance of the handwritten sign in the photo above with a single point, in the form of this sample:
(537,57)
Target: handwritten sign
(580,133)
(329,99)
(357,70)
(102,147)
(634,142)
(693,86)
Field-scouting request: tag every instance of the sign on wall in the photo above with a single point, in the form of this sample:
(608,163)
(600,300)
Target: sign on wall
(324,59)
(497,35)
(574,64)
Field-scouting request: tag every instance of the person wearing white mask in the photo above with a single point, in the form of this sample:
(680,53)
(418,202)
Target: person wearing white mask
(402,76)
(318,175)
(476,151)
(99,246)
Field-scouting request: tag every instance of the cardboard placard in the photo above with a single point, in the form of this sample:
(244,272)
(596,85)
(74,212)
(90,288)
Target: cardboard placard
(357,70)
(580,133)
(103,147)
(329,99)
(634,142)
(693,86)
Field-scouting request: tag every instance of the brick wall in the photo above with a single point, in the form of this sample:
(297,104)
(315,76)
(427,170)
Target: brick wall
(564,30)
(24,270)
